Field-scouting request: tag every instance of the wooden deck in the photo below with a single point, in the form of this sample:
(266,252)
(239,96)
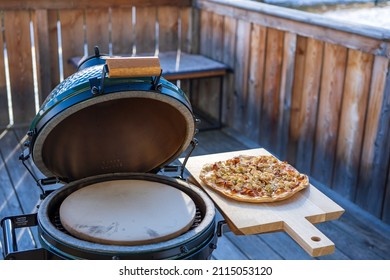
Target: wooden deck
(357,234)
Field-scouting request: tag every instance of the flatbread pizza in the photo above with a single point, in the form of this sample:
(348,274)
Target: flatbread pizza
(254,179)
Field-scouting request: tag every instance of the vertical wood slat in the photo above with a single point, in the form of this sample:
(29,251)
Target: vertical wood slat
(168,28)
(376,151)
(188,35)
(286,88)
(42,49)
(229,43)
(122,35)
(97,24)
(17,36)
(256,81)
(13,182)
(331,92)
(209,89)
(206,21)
(241,69)
(272,83)
(309,104)
(4,116)
(353,112)
(72,25)
(146,29)
(386,205)
(205,92)
(294,127)
(53,43)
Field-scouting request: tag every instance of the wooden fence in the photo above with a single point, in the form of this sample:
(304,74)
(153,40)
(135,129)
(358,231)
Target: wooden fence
(314,91)
(41,36)
(311,90)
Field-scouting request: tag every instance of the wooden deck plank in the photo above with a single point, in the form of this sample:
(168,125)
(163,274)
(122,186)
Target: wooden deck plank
(18,187)
(357,234)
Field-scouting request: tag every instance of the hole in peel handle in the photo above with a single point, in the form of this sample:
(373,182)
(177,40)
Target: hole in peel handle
(313,241)
(127,67)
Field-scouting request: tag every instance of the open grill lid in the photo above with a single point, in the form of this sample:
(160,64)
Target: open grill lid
(93,123)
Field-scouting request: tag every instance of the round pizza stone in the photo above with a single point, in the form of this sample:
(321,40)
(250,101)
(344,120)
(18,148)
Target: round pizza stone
(127,212)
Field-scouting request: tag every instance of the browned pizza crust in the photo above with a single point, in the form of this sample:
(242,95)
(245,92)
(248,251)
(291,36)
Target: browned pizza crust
(254,179)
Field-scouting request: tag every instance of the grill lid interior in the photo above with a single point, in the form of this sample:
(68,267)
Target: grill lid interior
(121,132)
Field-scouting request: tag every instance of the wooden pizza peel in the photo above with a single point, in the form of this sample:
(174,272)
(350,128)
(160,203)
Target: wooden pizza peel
(295,215)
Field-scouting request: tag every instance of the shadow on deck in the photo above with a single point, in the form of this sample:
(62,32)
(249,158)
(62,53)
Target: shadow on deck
(357,234)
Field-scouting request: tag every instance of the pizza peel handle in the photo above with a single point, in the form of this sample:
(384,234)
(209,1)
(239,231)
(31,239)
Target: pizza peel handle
(126,67)
(308,236)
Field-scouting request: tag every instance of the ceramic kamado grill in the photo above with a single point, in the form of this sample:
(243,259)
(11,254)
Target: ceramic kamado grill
(105,133)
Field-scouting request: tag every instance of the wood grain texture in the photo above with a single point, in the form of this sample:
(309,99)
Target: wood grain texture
(375,156)
(299,76)
(24,189)
(73,36)
(122,31)
(53,17)
(206,32)
(331,93)
(187,38)
(97,22)
(241,74)
(17,37)
(86,4)
(294,216)
(206,91)
(271,92)
(373,40)
(286,89)
(309,104)
(145,29)
(386,204)
(168,19)
(4,115)
(42,49)
(353,113)
(257,52)
(229,45)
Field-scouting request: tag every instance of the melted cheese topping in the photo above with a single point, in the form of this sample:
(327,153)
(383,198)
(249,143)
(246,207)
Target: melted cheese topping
(262,176)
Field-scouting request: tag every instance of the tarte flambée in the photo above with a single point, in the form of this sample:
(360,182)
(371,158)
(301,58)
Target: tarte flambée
(255,179)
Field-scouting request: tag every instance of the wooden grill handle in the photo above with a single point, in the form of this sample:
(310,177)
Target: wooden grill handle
(127,67)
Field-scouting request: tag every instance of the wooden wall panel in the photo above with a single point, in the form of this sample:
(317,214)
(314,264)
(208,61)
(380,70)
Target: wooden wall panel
(229,45)
(353,113)
(272,83)
(309,104)
(145,27)
(294,128)
(97,22)
(122,31)
(386,205)
(210,88)
(286,88)
(206,33)
(241,69)
(257,51)
(375,153)
(4,116)
(73,37)
(331,92)
(168,28)
(205,91)
(17,36)
(53,17)
(188,34)
(42,49)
